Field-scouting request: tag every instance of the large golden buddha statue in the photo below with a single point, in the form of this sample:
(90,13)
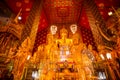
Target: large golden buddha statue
(64,44)
(64,41)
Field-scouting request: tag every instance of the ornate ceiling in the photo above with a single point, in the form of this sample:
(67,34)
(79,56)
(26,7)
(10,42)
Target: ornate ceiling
(61,11)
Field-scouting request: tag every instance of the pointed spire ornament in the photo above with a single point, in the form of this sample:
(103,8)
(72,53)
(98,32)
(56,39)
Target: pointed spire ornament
(16,18)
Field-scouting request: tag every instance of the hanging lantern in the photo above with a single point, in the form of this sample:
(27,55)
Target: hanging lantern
(73,28)
(53,29)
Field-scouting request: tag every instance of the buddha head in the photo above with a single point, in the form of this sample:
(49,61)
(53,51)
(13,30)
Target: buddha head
(90,47)
(63,33)
(101,47)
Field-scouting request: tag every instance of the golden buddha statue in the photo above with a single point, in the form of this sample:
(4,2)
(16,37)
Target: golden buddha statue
(50,50)
(63,44)
(49,45)
(19,60)
(76,39)
(102,51)
(94,53)
(77,47)
(76,50)
(38,56)
(64,41)
(50,38)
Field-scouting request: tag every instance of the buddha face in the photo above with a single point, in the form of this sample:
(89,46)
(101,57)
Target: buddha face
(49,40)
(63,33)
(90,47)
(75,41)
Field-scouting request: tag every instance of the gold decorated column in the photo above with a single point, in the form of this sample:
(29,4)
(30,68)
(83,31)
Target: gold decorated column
(96,21)
(36,23)
(31,25)
(93,16)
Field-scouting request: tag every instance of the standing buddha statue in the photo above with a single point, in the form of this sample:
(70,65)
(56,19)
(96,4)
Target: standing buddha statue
(19,62)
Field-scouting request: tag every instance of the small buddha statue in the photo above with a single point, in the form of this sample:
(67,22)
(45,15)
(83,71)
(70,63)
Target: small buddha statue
(19,60)
(91,53)
(38,55)
(50,48)
(48,45)
(102,49)
(77,48)
(76,39)
(50,39)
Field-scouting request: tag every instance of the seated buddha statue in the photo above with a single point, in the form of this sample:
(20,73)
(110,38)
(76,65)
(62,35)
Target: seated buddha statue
(38,55)
(64,44)
(64,41)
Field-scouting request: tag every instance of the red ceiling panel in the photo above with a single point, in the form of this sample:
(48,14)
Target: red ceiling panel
(16,5)
(83,22)
(43,21)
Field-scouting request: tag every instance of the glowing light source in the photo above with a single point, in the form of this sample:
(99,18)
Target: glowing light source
(53,29)
(73,28)
(19,18)
(102,75)
(35,74)
(63,59)
(102,57)
(108,55)
(110,13)
(28,57)
(67,52)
